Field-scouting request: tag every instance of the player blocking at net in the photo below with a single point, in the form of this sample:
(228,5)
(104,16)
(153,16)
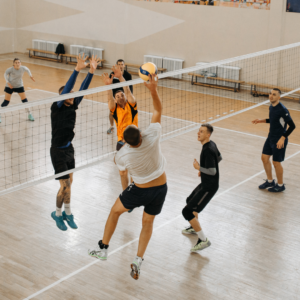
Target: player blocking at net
(205,191)
(63,120)
(142,157)
(123,108)
(14,84)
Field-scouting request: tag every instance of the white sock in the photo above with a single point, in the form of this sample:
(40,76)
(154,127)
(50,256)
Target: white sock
(270,181)
(201,235)
(58,212)
(139,260)
(280,184)
(68,209)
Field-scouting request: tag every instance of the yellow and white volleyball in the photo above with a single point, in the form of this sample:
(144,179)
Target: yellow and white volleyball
(147,69)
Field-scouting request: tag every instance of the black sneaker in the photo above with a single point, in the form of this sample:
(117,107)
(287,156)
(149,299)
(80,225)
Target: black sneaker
(267,185)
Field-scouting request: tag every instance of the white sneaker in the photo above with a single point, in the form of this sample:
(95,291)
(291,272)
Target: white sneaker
(136,268)
(101,254)
(189,230)
(201,245)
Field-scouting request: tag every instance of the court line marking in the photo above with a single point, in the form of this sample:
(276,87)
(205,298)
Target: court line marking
(250,134)
(136,239)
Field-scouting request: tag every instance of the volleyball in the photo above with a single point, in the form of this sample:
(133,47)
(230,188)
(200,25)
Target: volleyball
(147,69)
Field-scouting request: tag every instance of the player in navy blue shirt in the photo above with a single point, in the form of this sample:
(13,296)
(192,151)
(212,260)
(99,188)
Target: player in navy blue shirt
(276,143)
(63,119)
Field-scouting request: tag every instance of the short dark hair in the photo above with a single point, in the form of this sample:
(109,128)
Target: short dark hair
(209,128)
(121,60)
(132,135)
(17,59)
(61,89)
(118,91)
(278,90)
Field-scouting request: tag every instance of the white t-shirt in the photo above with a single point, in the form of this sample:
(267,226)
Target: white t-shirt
(146,162)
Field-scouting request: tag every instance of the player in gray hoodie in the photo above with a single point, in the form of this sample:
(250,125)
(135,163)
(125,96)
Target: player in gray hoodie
(14,84)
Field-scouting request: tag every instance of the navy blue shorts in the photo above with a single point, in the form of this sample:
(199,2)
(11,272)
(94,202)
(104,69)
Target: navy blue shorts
(271,149)
(152,198)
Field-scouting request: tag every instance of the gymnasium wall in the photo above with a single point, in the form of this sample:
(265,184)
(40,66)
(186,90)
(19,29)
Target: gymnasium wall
(7,26)
(130,28)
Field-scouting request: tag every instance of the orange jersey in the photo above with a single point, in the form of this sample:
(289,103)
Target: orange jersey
(124,117)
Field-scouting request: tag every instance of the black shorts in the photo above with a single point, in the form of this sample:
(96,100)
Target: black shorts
(271,149)
(152,198)
(19,90)
(62,160)
(200,197)
(120,144)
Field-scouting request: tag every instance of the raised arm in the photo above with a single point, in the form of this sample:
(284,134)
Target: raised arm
(85,84)
(118,74)
(71,82)
(107,81)
(157,105)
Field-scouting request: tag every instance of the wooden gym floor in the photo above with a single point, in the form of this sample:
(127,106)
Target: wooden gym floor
(254,234)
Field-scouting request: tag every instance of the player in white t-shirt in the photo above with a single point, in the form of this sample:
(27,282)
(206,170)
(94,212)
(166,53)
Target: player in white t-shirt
(141,156)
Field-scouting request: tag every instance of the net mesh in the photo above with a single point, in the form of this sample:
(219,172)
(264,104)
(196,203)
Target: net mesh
(205,93)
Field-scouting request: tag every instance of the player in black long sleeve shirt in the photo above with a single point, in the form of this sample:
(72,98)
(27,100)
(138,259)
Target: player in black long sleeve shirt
(204,192)
(276,143)
(63,120)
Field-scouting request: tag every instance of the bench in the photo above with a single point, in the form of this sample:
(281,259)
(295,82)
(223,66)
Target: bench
(236,88)
(255,85)
(58,59)
(138,66)
(70,56)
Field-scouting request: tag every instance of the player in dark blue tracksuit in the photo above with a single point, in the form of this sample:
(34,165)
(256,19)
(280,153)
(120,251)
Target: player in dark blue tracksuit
(276,143)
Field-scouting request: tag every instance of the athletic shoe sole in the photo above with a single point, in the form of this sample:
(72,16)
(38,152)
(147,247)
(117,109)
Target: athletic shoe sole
(206,246)
(93,253)
(188,232)
(134,272)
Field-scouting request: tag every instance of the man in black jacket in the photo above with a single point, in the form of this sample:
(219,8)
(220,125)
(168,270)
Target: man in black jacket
(127,76)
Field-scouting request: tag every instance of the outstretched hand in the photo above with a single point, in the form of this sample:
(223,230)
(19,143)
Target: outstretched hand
(94,61)
(81,64)
(106,80)
(117,71)
(151,85)
(32,79)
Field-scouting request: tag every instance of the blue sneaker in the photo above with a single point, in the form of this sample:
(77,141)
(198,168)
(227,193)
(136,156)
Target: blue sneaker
(277,189)
(267,185)
(59,222)
(70,220)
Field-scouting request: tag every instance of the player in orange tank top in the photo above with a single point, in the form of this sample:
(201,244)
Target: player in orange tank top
(124,111)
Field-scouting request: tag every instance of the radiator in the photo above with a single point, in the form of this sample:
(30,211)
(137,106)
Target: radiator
(88,51)
(207,71)
(172,64)
(75,50)
(98,52)
(157,60)
(51,46)
(228,73)
(39,44)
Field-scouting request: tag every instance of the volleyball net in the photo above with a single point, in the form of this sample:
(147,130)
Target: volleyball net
(205,93)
